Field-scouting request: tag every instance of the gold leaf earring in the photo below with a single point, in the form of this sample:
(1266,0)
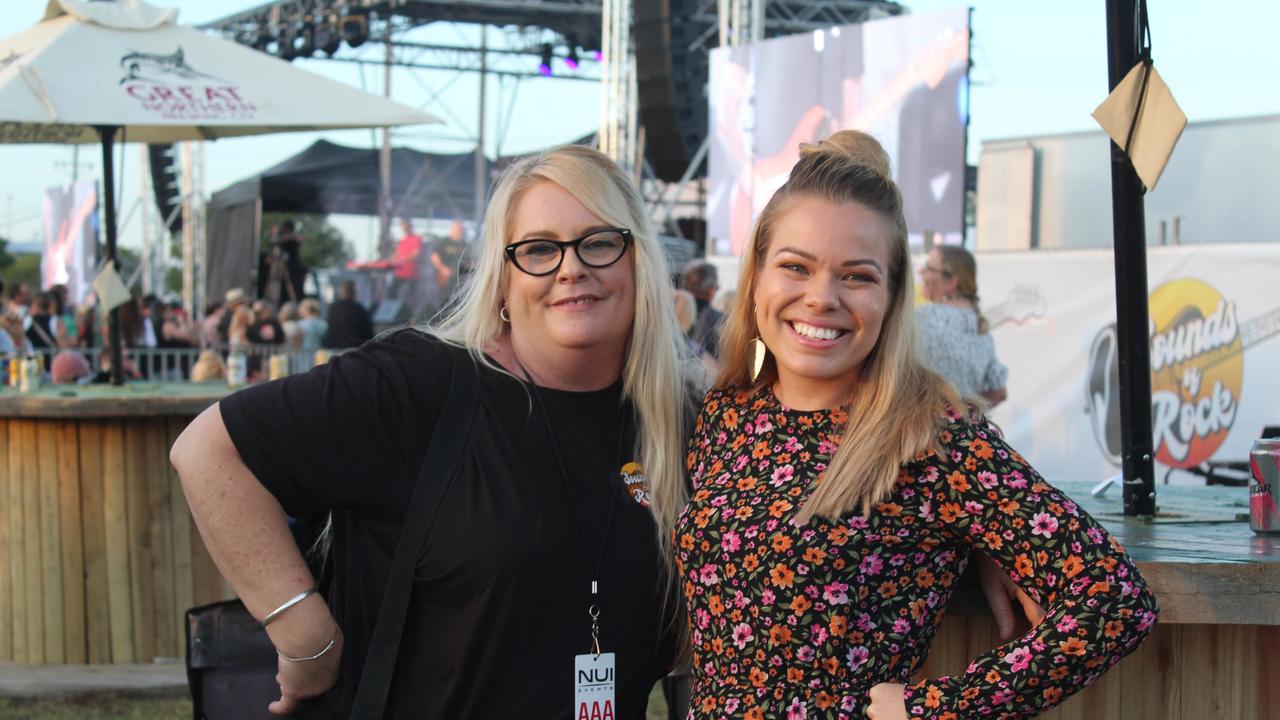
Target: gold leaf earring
(758,351)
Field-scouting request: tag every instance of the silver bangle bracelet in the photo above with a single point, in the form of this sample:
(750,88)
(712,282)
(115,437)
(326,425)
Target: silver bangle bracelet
(317,656)
(271,617)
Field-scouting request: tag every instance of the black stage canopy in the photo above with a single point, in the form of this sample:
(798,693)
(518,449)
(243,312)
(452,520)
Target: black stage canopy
(330,178)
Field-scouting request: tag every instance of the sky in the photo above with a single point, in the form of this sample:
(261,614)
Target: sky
(1038,68)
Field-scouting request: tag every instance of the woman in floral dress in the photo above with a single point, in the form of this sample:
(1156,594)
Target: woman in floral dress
(840,486)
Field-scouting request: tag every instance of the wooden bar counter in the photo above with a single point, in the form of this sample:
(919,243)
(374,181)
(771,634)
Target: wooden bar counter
(98,554)
(99,558)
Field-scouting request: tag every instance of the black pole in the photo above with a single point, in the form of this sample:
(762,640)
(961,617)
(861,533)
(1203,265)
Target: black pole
(1132,320)
(108,135)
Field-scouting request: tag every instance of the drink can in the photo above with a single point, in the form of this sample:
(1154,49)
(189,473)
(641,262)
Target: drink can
(237,369)
(15,372)
(29,379)
(4,369)
(1264,488)
(278,367)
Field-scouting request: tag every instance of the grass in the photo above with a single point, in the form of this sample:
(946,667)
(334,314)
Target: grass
(102,706)
(109,706)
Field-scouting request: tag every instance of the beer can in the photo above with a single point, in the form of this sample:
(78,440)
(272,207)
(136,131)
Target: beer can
(15,372)
(1264,488)
(278,367)
(4,369)
(29,380)
(237,369)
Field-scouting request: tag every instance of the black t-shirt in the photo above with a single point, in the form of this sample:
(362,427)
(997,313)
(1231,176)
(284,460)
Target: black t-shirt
(500,601)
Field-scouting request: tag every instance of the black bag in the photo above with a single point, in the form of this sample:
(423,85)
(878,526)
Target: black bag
(231,663)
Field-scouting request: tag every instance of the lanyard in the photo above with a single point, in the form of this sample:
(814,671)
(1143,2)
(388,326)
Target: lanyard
(593,568)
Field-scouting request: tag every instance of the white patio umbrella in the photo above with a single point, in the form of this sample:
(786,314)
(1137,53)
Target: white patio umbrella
(93,69)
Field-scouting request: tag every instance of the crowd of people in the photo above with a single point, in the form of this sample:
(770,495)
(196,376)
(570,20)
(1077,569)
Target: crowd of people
(791,535)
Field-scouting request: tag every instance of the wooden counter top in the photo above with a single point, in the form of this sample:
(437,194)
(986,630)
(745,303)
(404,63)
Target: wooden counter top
(105,401)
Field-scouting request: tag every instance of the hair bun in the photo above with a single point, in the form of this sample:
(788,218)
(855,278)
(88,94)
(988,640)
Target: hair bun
(854,145)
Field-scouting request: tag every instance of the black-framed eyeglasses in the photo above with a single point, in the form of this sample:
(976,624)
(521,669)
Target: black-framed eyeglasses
(596,249)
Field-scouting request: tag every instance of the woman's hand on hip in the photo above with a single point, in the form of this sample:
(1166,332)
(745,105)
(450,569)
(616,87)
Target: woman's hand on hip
(303,679)
(888,702)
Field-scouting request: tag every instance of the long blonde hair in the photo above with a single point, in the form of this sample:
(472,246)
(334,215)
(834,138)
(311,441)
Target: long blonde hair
(895,410)
(652,376)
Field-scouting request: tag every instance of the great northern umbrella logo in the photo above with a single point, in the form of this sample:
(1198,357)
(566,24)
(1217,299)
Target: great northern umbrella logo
(169,86)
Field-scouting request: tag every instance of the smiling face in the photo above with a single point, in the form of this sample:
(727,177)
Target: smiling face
(577,307)
(821,294)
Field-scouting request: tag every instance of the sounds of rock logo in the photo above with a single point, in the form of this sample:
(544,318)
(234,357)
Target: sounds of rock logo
(1197,369)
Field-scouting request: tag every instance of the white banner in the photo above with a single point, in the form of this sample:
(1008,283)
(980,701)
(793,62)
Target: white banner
(1215,354)
(69,238)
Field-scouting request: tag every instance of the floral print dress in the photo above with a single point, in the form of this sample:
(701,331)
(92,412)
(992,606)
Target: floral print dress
(801,621)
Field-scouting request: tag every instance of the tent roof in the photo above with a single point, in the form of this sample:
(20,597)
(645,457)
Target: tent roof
(331,178)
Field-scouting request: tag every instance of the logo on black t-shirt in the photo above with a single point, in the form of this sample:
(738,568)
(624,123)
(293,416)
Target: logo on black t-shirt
(637,485)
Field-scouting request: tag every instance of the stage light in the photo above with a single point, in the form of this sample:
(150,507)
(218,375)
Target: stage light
(355,30)
(284,45)
(326,38)
(305,45)
(263,40)
(597,55)
(571,60)
(545,66)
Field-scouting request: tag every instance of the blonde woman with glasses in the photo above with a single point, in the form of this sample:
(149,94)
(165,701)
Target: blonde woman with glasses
(548,548)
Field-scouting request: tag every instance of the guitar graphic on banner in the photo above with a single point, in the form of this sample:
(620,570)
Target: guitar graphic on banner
(1197,373)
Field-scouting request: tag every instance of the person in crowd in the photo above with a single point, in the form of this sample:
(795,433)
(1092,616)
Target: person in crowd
(209,366)
(313,326)
(350,324)
(449,261)
(151,311)
(176,329)
(41,332)
(64,324)
(686,314)
(233,300)
(209,336)
(19,300)
(953,334)
(567,493)
(285,248)
(701,280)
(103,376)
(89,325)
(724,301)
(840,486)
(288,317)
(132,325)
(241,319)
(69,367)
(11,333)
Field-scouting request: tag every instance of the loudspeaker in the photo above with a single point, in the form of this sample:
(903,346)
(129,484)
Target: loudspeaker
(164,182)
(672,84)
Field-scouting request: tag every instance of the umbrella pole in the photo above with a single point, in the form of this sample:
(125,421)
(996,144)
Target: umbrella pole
(108,135)
(1132,334)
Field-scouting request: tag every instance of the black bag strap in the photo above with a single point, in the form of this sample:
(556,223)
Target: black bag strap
(438,469)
